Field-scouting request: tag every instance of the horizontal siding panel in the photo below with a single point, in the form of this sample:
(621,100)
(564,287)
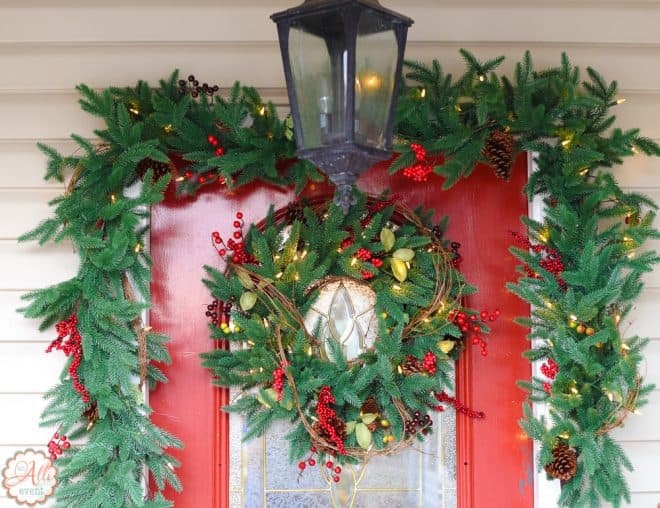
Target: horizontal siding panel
(28,266)
(20,363)
(641,320)
(638,171)
(21,210)
(259,63)
(640,427)
(15,328)
(27,165)
(646,499)
(71,23)
(645,456)
(22,425)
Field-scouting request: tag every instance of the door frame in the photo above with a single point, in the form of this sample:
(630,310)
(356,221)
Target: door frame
(481,445)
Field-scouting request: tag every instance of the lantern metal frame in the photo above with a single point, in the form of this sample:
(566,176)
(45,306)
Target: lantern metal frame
(344,161)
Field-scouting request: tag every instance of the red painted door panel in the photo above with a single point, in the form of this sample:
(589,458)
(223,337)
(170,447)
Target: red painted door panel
(495,459)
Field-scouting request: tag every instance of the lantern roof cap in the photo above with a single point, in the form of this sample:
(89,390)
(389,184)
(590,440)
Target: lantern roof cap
(320,6)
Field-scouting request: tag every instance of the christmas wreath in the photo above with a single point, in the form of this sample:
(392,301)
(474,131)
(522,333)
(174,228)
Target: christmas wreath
(582,278)
(344,324)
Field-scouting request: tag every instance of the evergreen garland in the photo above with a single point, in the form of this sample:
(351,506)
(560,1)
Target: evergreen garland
(566,121)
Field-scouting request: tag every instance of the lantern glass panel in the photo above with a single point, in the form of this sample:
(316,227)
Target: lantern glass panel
(376,62)
(319,58)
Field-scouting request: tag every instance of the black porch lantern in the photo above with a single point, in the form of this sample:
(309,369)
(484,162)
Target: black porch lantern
(342,63)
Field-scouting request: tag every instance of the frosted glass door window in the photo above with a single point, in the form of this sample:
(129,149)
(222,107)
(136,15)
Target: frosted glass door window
(423,476)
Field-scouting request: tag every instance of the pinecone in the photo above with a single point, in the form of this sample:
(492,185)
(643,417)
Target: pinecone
(294,212)
(160,168)
(564,462)
(340,428)
(499,150)
(91,414)
(412,366)
(370,406)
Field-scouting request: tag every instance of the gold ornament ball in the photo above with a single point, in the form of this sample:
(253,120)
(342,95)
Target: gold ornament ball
(581,329)
(590,331)
(572,324)
(384,423)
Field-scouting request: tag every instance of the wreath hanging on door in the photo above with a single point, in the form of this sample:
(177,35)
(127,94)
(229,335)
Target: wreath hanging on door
(346,325)
(580,278)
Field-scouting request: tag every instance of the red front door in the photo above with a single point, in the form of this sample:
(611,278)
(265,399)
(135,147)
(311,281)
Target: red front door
(495,466)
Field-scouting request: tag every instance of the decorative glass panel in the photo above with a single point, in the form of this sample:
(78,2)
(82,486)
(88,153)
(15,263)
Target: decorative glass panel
(422,476)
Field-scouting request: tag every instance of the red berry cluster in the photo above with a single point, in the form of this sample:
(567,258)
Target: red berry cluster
(278,383)
(219,150)
(458,259)
(335,471)
(419,423)
(550,370)
(57,444)
(325,412)
(71,346)
(471,324)
(311,461)
(218,312)
(550,259)
(365,255)
(420,171)
(239,256)
(458,406)
(377,207)
(430,363)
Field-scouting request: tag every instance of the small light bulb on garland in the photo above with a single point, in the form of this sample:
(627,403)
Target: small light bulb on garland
(69,341)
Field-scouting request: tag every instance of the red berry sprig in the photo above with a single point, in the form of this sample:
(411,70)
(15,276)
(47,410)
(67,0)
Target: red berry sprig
(325,412)
(69,341)
(278,383)
(458,406)
(471,325)
(550,369)
(420,171)
(335,471)
(419,422)
(457,259)
(57,445)
(213,141)
(238,256)
(429,363)
(550,259)
(311,461)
